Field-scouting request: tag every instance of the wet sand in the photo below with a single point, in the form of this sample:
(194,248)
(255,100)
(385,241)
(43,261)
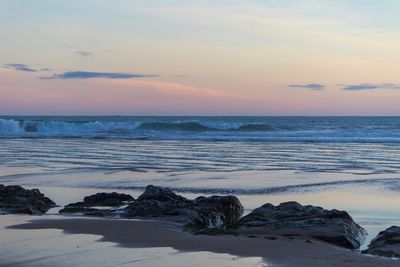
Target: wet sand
(135,234)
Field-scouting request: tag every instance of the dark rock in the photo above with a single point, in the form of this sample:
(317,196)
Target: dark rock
(200,214)
(386,244)
(100,199)
(155,208)
(107,199)
(15,199)
(157,202)
(214,212)
(160,194)
(293,219)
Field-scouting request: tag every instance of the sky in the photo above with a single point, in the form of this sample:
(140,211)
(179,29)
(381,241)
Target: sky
(180,57)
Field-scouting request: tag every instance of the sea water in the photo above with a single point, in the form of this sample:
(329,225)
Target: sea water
(350,163)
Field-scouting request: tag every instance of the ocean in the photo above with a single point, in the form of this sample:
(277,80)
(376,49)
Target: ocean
(268,129)
(349,163)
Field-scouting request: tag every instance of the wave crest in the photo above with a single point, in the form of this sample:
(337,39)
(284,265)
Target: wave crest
(190,126)
(354,130)
(16,128)
(11,127)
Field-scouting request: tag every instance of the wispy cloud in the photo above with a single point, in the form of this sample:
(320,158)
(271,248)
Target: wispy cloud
(370,86)
(331,22)
(90,75)
(84,53)
(310,86)
(166,87)
(19,67)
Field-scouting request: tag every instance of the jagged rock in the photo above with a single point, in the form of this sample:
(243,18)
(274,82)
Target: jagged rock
(158,201)
(387,243)
(215,212)
(97,200)
(160,194)
(15,199)
(155,208)
(293,219)
(107,199)
(202,213)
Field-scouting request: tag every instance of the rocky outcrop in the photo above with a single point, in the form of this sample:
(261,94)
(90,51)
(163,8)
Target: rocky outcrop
(157,202)
(222,215)
(161,194)
(215,212)
(293,219)
(90,205)
(219,212)
(104,199)
(155,208)
(14,199)
(107,199)
(386,244)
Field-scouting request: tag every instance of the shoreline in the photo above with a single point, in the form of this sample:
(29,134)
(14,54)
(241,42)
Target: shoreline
(24,242)
(156,233)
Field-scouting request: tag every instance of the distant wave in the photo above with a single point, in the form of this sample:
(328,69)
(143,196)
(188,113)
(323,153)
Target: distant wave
(256,127)
(10,127)
(190,126)
(48,128)
(266,129)
(194,126)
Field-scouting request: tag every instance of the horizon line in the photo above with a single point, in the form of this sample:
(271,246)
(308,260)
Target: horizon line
(119,115)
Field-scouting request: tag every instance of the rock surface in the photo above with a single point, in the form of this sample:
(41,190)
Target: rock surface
(219,212)
(293,219)
(89,204)
(15,199)
(155,208)
(161,194)
(222,215)
(156,202)
(386,244)
(107,199)
(215,212)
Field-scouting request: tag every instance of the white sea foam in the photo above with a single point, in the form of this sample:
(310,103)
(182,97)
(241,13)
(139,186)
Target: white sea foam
(9,127)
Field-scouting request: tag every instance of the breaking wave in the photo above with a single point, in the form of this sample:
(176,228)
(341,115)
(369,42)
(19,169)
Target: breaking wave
(275,129)
(175,126)
(11,127)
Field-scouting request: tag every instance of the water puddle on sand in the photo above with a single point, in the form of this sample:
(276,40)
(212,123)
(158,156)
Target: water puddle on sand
(374,208)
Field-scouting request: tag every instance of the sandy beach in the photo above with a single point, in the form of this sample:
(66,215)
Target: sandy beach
(132,236)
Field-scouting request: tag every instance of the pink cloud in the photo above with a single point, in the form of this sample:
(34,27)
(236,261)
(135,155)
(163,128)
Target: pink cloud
(174,88)
(25,94)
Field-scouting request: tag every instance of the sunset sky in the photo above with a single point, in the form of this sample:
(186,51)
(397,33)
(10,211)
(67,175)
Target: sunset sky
(260,57)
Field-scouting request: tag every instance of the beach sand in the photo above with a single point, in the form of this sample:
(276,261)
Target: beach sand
(62,241)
